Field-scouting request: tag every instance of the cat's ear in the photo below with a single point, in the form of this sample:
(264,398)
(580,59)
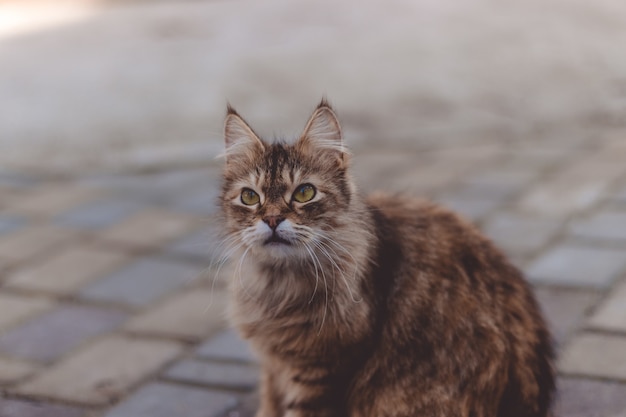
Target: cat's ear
(239,138)
(323,133)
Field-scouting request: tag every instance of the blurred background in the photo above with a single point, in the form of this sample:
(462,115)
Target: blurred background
(511,112)
(124,83)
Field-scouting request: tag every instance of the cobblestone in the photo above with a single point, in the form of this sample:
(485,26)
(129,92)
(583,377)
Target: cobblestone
(204,245)
(620,195)
(16,308)
(20,408)
(473,208)
(565,310)
(222,375)
(124,361)
(14,180)
(498,182)
(174,300)
(518,234)
(595,355)
(439,169)
(47,201)
(98,214)
(51,335)
(66,271)
(575,188)
(604,225)
(189,315)
(32,241)
(582,266)
(10,223)
(12,370)
(160,188)
(372,168)
(611,315)
(168,400)
(141,282)
(537,158)
(149,266)
(588,398)
(201,201)
(423,179)
(226,346)
(247,407)
(149,228)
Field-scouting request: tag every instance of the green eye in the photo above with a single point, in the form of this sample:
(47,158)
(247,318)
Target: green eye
(249,197)
(304,193)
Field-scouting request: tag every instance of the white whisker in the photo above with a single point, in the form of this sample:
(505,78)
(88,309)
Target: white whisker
(221,260)
(239,266)
(316,272)
(322,247)
(316,261)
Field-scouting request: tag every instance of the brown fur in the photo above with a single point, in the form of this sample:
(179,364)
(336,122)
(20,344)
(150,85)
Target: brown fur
(385,306)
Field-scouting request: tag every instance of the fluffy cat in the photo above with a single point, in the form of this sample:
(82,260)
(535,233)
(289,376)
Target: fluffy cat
(385,306)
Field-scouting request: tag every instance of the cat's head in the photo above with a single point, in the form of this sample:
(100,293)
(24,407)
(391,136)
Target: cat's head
(284,201)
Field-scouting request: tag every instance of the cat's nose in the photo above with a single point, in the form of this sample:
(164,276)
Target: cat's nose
(273,221)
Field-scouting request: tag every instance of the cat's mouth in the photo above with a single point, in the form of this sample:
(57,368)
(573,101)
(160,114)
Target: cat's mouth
(276,240)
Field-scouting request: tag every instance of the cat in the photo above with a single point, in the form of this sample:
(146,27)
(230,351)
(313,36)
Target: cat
(384,306)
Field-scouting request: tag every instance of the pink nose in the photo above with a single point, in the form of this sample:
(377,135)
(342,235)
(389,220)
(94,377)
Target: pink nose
(273,221)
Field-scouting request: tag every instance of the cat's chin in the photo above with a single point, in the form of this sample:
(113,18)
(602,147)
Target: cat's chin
(279,251)
(276,240)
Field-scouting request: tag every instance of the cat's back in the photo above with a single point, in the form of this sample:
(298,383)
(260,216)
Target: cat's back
(427,233)
(426,252)
(450,297)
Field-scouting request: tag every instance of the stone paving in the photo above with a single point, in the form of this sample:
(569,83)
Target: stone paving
(511,113)
(111,306)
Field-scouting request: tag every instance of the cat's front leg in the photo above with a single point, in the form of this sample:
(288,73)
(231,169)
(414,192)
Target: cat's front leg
(312,391)
(270,398)
(284,393)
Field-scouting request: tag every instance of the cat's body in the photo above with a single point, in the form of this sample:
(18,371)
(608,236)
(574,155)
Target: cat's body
(371,308)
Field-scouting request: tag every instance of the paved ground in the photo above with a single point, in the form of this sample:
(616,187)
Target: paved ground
(109,307)
(512,114)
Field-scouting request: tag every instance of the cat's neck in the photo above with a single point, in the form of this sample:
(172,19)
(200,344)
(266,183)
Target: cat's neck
(332,265)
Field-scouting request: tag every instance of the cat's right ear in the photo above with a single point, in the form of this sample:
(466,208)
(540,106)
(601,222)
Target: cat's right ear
(322,134)
(239,138)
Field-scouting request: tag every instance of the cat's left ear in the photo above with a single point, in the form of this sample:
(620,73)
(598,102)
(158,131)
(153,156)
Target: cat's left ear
(239,138)
(323,134)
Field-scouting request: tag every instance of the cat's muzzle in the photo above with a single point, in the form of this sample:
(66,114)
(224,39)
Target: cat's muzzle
(275,239)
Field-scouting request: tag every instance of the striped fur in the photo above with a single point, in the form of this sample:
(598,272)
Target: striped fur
(378,307)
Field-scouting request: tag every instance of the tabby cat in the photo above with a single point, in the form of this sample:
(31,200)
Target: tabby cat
(383,306)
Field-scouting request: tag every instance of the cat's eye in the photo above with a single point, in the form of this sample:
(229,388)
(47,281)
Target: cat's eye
(249,197)
(304,193)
